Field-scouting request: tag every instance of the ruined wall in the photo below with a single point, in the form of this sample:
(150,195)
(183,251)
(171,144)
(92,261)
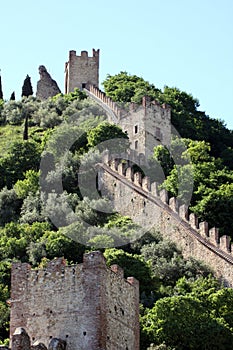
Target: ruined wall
(81,304)
(81,71)
(136,197)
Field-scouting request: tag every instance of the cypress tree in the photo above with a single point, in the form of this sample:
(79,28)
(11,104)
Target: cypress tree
(27,87)
(25,131)
(1,93)
(12,98)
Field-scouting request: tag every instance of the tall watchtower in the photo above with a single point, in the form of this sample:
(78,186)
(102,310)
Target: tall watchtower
(81,71)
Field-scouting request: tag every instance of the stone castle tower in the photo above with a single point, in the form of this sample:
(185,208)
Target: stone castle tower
(81,71)
(86,306)
(147,125)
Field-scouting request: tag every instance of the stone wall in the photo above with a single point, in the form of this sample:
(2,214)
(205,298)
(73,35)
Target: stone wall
(81,71)
(147,125)
(88,305)
(136,197)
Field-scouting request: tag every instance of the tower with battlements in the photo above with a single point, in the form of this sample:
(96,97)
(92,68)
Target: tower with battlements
(147,125)
(88,306)
(81,71)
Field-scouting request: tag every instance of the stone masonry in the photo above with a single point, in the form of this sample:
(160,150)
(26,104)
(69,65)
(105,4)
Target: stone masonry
(134,196)
(147,124)
(81,71)
(89,306)
(46,86)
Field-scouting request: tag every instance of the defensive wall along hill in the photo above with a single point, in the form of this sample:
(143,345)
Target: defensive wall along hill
(139,199)
(136,197)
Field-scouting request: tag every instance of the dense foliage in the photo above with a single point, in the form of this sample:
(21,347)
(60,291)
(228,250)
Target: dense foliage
(182,305)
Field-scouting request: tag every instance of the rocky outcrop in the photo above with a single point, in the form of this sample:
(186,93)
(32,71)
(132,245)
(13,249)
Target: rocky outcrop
(46,86)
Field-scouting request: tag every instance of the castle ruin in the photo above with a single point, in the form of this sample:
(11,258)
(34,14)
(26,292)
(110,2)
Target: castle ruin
(88,306)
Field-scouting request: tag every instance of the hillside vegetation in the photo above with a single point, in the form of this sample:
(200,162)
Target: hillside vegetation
(182,305)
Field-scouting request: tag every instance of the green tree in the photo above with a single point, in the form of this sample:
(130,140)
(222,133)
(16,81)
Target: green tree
(221,302)
(108,132)
(22,156)
(9,206)
(168,265)
(27,87)
(183,322)
(124,87)
(56,244)
(29,184)
(216,207)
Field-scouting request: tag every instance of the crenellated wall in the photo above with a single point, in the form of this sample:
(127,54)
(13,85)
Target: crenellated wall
(147,124)
(89,306)
(100,95)
(140,199)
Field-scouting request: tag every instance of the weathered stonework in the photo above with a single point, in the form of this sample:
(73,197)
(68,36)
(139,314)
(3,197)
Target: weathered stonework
(46,86)
(147,125)
(81,71)
(89,306)
(139,199)
(20,340)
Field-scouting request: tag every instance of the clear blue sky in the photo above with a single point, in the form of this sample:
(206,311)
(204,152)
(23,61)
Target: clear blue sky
(182,43)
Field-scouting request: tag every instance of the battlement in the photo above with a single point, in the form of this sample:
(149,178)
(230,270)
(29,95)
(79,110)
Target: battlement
(100,95)
(77,303)
(148,103)
(142,200)
(131,107)
(82,71)
(126,169)
(95,53)
(147,124)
